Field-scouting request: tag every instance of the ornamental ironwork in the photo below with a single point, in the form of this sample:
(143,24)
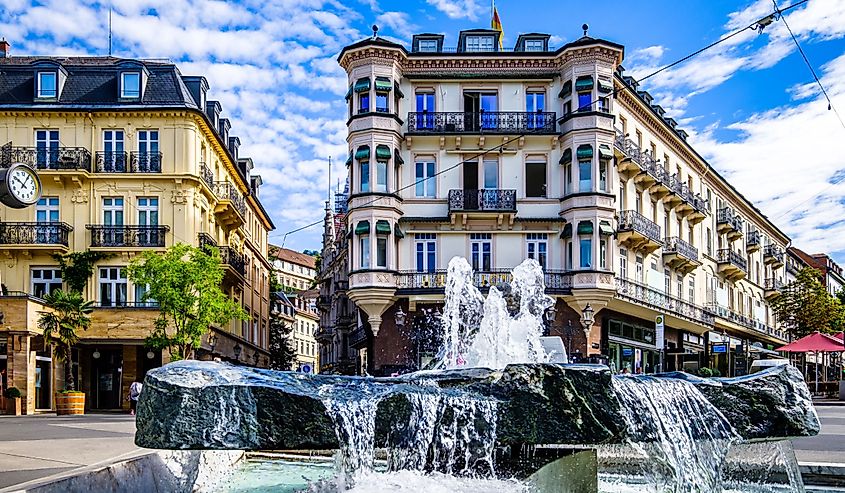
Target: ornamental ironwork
(112,162)
(658,300)
(145,162)
(726,215)
(455,122)
(772,252)
(54,158)
(207,175)
(227,191)
(26,233)
(491,199)
(233,259)
(634,221)
(127,236)
(728,256)
(678,246)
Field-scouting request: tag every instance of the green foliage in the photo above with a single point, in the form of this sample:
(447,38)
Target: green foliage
(804,306)
(313,253)
(282,354)
(77,267)
(705,372)
(13,393)
(275,285)
(185,282)
(69,315)
(714,372)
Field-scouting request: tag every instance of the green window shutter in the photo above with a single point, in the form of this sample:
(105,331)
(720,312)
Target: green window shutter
(383,84)
(397,157)
(567,156)
(605,229)
(363,228)
(567,231)
(349,92)
(363,153)
(585,228)
(584,152)
(566,90)
(382,227)
(605,152)
(605,86)
(349,161)
(362,85)
(382,153)
(398,91)
(584,83)
(398,232)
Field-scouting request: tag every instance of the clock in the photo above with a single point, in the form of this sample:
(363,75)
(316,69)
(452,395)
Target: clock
(19,186)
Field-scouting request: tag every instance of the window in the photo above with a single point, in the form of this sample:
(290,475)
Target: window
(364,102)
(46,148)
(569,255)
(479,43)
(141,290)
(425,105)
(680,281)
(603,105)
(623,263)
(113,211)
(535,102)
(114,160)
(639,271)
(112,286)
(47,210)
(639,139)
(364,243)
(427,45)
(481,250)
(537,244)
(47,85)
(667,281)
(567,108)
(585,101)
(567,178)
(425,245)
(365,176)
(148,157)
(381,251)
(585,176)
(623,195)
(691,293)
(586,251)
(381,176)
(603,175)
(45,280)
(381,102)
(148,218)
(709,245)
(534,45)
(130,85)
(603,253)
(425,182)
(491,174)
(535,179)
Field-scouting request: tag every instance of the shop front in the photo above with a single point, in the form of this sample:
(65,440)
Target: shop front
(632,346)
(105,372)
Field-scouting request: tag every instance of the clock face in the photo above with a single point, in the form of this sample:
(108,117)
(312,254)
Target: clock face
(23,184)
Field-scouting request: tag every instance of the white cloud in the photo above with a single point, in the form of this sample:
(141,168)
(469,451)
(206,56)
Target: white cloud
(398,22)
(458,9)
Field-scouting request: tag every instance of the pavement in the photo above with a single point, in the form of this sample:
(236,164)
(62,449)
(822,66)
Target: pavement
(42,445)
(829,445)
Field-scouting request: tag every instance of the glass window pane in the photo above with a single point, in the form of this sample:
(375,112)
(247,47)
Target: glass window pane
(585,178)
(586,253)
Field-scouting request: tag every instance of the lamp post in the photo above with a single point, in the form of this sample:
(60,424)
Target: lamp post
(237,351)
(587,320)
(399,317)
(549,317)
(212,341)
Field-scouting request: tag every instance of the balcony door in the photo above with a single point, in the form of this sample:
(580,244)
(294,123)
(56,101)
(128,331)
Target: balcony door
(479,110)
(114,159)
(148,220)
(113,221)
(47,148)
(47,211)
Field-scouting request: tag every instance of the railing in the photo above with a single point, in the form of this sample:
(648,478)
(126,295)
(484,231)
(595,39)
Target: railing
(494,200)
(726,216)
(634,221)
(111,162)
(773,284)
(207,175)
(145,162)
(728,256)
(56,158)
(127,236)
(554,280)
(205,240)
(233,259)
(226,191)
(482,122)
(358,337)
(753,238)
(22,233)
(673,244)
(774,252)
(127,304)
(658,300)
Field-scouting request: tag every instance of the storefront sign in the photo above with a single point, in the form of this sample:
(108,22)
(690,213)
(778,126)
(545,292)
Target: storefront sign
(661,331)
(626,351)
(720,348)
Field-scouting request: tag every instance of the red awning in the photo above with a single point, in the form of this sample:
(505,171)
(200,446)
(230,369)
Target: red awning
(839,335)
(815,342)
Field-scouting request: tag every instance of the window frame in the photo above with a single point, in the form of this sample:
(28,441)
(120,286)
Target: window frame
(40,91)
(56,278)
(124,93)
(481,258)
(533,45)
(537,244)
(114,285)
(478,43)
(425,186)
(425,252)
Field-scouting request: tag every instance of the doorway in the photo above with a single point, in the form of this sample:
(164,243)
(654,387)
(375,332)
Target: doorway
(480,110)
(106,373)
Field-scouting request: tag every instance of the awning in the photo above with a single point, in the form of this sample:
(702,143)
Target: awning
(362,85)
(398,91)
(397,157)
(605,152)
(815,342)
(566,90)
(382,227)
(585,228)
(605,229)
(584,83)
(349,161)
(383,84)
(567,156)
(363,153)
(349,92)
(398,232)
(605,86)
(363,228)
(382,153)
(567,231)
(584,152)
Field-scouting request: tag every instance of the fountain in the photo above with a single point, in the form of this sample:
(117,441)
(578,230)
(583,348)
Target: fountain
(494,414)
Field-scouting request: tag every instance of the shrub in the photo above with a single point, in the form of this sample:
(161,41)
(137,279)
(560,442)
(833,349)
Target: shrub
(716,372)
(705,372)
(13,392)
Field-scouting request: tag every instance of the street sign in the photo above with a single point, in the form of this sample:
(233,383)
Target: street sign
(660,329)
(305,369)
(720,348)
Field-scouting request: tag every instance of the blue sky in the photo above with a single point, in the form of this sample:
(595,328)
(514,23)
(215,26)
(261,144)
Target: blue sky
(749,105)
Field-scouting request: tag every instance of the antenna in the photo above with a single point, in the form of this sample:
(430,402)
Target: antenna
(110,10)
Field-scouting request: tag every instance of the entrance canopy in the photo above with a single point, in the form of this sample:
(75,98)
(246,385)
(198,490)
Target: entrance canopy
(815,342)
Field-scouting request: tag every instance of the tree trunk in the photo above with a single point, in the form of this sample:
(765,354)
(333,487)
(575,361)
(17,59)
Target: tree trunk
(69,383)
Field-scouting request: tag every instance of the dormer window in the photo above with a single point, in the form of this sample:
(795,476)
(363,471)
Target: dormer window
(427,45)
(479,43)
(47,85)
(130,85)
(534,45)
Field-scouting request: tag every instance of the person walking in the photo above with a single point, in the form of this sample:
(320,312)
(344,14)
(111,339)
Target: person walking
(134,393)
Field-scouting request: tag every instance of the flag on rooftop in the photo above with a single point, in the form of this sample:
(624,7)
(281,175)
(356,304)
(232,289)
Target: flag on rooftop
(496,24)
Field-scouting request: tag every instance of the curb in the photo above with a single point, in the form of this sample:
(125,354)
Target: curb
(822,473)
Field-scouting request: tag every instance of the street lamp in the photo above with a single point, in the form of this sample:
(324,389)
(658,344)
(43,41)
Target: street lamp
(548,320)
(212,341)
(237,351)
(399,317)
(587,318)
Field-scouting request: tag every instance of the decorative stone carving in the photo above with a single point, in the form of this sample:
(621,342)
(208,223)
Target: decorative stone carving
(80,196)
(179,196)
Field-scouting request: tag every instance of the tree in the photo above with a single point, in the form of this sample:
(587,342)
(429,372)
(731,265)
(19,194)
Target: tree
(185,282)
(804,306)
(70,314)
(282,354)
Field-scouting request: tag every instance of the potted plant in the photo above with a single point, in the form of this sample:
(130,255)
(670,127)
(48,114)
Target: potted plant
(69,315)
(13,401)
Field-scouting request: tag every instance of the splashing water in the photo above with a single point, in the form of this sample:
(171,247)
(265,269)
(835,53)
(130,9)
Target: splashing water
(485,333)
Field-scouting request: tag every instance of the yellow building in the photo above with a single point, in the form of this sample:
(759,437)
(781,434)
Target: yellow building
(132,157)
(296,271)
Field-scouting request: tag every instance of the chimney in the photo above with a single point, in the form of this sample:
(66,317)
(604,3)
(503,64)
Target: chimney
(5,48)
(234,143)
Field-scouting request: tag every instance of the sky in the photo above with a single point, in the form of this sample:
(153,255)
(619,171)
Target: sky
(750,104)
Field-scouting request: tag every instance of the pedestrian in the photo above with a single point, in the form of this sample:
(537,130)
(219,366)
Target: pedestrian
(134,393)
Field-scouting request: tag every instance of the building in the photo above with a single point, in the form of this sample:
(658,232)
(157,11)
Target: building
(831,271)
(132,157)
(552,154)
(296,273)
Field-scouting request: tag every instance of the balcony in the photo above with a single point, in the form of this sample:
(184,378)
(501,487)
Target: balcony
(413,282)
(731,264)
(729,224)
(145,162)
(772,288)
(35,236)
(641,294)
(773,256)
(484,122)
(638,233)
(324,335)
(205,240)
(482,203)
(207,175)
(752,241)
(127,236)
(231,207)
(52,159)
(700,209)
(123,162)
(358,338)
(234,262)
(680,255)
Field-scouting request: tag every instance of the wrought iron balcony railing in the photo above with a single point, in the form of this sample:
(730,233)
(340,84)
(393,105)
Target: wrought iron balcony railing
(752,239)
(728,256)
(112,162)
(122,304)
(554,280)
(772,254)
(634,221)
(205,240)
(493,200)
(55,158)
(773,284)
(676,245)
(127,236)
(145,162)
(233,259)
(726,215)
(660,301)
(456,122)
(22,233)
(227,191)
(207,175)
